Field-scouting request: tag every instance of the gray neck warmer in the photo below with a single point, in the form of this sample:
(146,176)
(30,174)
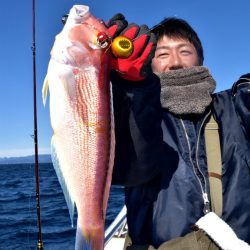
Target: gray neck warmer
(186,91)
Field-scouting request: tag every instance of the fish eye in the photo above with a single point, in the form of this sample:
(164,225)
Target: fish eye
(64,18)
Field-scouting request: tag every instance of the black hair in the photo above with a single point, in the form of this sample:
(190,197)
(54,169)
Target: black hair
(179,28)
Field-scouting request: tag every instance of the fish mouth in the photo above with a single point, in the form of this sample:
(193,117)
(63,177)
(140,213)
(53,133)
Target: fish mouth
(79,13)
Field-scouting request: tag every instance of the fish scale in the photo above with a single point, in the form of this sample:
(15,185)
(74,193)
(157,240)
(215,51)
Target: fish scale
(82,121)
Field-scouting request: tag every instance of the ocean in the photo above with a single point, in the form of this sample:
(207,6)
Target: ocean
(18,214)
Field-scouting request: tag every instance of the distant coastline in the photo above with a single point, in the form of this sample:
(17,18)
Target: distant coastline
(43,158)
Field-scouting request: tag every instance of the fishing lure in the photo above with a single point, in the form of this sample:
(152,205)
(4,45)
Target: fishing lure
(121,46)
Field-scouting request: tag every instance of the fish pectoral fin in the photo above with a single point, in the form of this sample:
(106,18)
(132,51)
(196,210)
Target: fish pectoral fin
(63,182)
(45,89)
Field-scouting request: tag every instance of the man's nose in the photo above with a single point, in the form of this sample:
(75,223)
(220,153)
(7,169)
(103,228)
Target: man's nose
(175,62)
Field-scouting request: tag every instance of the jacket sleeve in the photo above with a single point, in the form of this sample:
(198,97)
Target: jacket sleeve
(241,97)
(137,112)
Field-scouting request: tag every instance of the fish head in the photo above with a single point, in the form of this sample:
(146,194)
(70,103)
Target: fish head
(83,40)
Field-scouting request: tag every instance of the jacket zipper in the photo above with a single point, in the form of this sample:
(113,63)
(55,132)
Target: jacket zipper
(206,208)
(205,195)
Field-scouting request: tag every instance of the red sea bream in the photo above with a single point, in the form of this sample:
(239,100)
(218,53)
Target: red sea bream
(82,123)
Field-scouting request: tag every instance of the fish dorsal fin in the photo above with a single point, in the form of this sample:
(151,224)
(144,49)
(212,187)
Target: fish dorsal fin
(112,153)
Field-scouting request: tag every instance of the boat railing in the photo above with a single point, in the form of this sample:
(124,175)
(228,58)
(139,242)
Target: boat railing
(118,228)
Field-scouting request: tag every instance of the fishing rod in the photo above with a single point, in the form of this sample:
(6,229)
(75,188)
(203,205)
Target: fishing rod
(39,242)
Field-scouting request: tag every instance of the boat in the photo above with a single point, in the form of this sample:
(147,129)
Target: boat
(116,233)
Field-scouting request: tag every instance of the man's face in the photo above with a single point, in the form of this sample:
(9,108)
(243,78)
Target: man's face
(174,53)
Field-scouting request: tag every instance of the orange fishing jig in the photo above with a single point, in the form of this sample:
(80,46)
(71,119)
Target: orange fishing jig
(121,46)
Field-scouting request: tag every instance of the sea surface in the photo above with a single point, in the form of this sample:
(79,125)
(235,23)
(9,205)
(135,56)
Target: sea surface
(18,213)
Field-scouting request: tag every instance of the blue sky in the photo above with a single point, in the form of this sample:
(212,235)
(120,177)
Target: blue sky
(223,27)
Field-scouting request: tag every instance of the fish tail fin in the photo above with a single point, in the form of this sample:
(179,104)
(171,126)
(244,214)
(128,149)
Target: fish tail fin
(45,89)
(82,241)
(69,200)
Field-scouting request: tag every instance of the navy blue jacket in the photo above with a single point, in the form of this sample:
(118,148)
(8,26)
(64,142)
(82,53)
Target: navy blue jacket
(161,159)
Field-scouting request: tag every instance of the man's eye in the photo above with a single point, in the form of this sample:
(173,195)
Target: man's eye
(163,55)
(186,52)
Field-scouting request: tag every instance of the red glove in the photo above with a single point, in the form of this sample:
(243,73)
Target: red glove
(116,25)
(138,65)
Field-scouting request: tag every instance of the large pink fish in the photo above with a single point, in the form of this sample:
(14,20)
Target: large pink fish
(81,118)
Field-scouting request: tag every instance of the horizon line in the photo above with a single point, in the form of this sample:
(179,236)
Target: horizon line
(8,157)
(23,152)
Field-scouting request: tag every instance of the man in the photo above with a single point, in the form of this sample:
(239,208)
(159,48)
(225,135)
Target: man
(160,150)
